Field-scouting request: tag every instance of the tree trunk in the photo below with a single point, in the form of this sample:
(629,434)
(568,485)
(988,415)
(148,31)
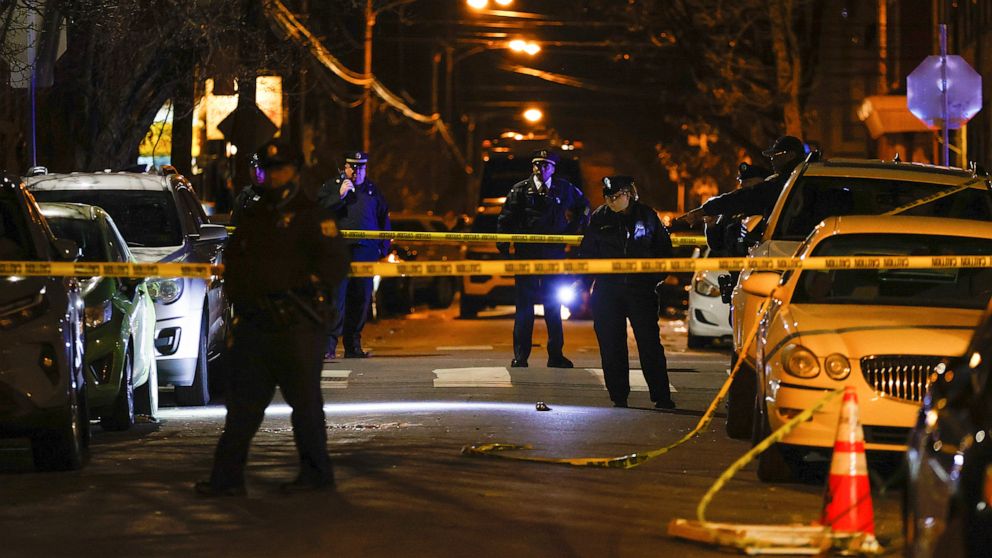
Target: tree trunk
(788,64)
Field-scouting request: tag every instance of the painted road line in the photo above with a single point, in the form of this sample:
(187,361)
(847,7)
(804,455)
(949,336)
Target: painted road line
(491,376)
(637,382)
(334,379)
(465,348)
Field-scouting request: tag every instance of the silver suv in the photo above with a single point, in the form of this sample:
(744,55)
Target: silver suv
(161,219)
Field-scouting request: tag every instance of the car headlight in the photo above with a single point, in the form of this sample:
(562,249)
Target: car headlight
(566,294)
(837,366)
(705,288)
(99,314)
(800,361)
(165,291)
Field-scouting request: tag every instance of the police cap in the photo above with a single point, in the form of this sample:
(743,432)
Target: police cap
(786,144)
(545,155)
(278,153)
(747,170)
(613,185)
(356,157)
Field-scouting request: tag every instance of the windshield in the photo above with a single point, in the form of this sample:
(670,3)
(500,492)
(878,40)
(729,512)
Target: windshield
(145,218)
(940,288)
(814,198)
(15,240)
(85,233)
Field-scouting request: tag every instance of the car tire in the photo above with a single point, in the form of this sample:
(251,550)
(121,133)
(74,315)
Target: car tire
(197,394)
(779,463)
(740,404)
(468,307)
(698,341)
(442,293)
(120,416)
(64,447)
(146,395)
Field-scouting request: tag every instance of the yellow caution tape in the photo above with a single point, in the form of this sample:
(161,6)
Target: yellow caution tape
(572,239)
(110,269)
(634,459)
(667,265)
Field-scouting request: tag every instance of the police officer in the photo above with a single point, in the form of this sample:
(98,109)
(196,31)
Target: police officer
(358,205)
(283,255)
(725,234)
(249,195)
(625,228)
(785,155)
(542,204)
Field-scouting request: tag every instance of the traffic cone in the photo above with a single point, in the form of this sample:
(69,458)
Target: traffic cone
(847,503)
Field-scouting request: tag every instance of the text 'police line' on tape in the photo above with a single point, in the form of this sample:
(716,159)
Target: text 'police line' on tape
(573,239)
(516,267)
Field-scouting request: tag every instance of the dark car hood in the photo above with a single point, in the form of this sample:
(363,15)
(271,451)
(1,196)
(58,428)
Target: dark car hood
(20,288)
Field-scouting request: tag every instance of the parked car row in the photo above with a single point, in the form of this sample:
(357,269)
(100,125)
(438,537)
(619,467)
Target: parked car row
(76,349)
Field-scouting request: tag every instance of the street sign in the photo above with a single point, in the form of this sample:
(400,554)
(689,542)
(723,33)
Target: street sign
(925,88)
(247,127)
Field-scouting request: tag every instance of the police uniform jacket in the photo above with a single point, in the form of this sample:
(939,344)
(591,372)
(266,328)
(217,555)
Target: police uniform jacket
(247,197)
(559,209)
(283,242)
(758,199)
(636,233)
(364,209)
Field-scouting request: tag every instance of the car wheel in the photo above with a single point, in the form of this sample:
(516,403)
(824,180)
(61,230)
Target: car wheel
(63,448)
(779,463)
(121,414)
(468,307)
(740,404)
(698,341)
(146,395)
(442,293)
(197,394)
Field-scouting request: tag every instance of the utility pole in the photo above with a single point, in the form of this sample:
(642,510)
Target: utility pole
(367,103)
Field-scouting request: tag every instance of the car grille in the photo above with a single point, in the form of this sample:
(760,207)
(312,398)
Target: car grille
(902,377)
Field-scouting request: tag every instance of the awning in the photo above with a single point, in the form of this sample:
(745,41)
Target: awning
(888,114)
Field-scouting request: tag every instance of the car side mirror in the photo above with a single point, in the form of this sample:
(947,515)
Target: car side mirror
(66,250)
(212,233)
(761,283)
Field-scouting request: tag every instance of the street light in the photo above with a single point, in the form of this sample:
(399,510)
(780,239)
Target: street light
(533,115)
(483,4)
(520,45)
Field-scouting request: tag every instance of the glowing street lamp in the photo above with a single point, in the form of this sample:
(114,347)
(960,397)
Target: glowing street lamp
(533,115)
(477,4)
(504,3)
(520,45)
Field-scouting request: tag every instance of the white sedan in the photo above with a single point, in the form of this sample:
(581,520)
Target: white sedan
(882,331)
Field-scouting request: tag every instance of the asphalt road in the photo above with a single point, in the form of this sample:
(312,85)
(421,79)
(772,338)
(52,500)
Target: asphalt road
(396,424)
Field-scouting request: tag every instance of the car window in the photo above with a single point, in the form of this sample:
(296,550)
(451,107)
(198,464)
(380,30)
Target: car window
(144,217)
(15,239)
(940,288)
(85,233)
(814,198)
(118,248)
(193,207)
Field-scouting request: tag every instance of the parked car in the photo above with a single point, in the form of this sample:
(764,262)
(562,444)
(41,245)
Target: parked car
(162,221)
(819,189)
(119,320)
(42,385)
(708,316)
(882,331)
(400,294)
(947,509)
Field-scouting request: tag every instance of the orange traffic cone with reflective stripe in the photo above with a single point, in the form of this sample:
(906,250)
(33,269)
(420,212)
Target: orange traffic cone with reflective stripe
(847,507)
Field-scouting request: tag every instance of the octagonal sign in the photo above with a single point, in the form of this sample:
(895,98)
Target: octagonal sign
(925,87)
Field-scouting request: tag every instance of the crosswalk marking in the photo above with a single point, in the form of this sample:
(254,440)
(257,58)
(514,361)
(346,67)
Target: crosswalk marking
(490,376)
(334,379)
(637,382)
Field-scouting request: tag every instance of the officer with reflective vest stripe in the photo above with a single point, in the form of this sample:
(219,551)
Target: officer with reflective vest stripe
(625,228)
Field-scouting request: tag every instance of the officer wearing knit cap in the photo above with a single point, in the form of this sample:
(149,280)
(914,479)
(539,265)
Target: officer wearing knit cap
(542,204)
(358,205)
(623,227)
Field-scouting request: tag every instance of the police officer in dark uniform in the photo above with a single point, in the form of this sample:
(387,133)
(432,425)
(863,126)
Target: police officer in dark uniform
(785,155)
(285,253)
(625,228)
(542,204)
(358,205)
(249,195)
